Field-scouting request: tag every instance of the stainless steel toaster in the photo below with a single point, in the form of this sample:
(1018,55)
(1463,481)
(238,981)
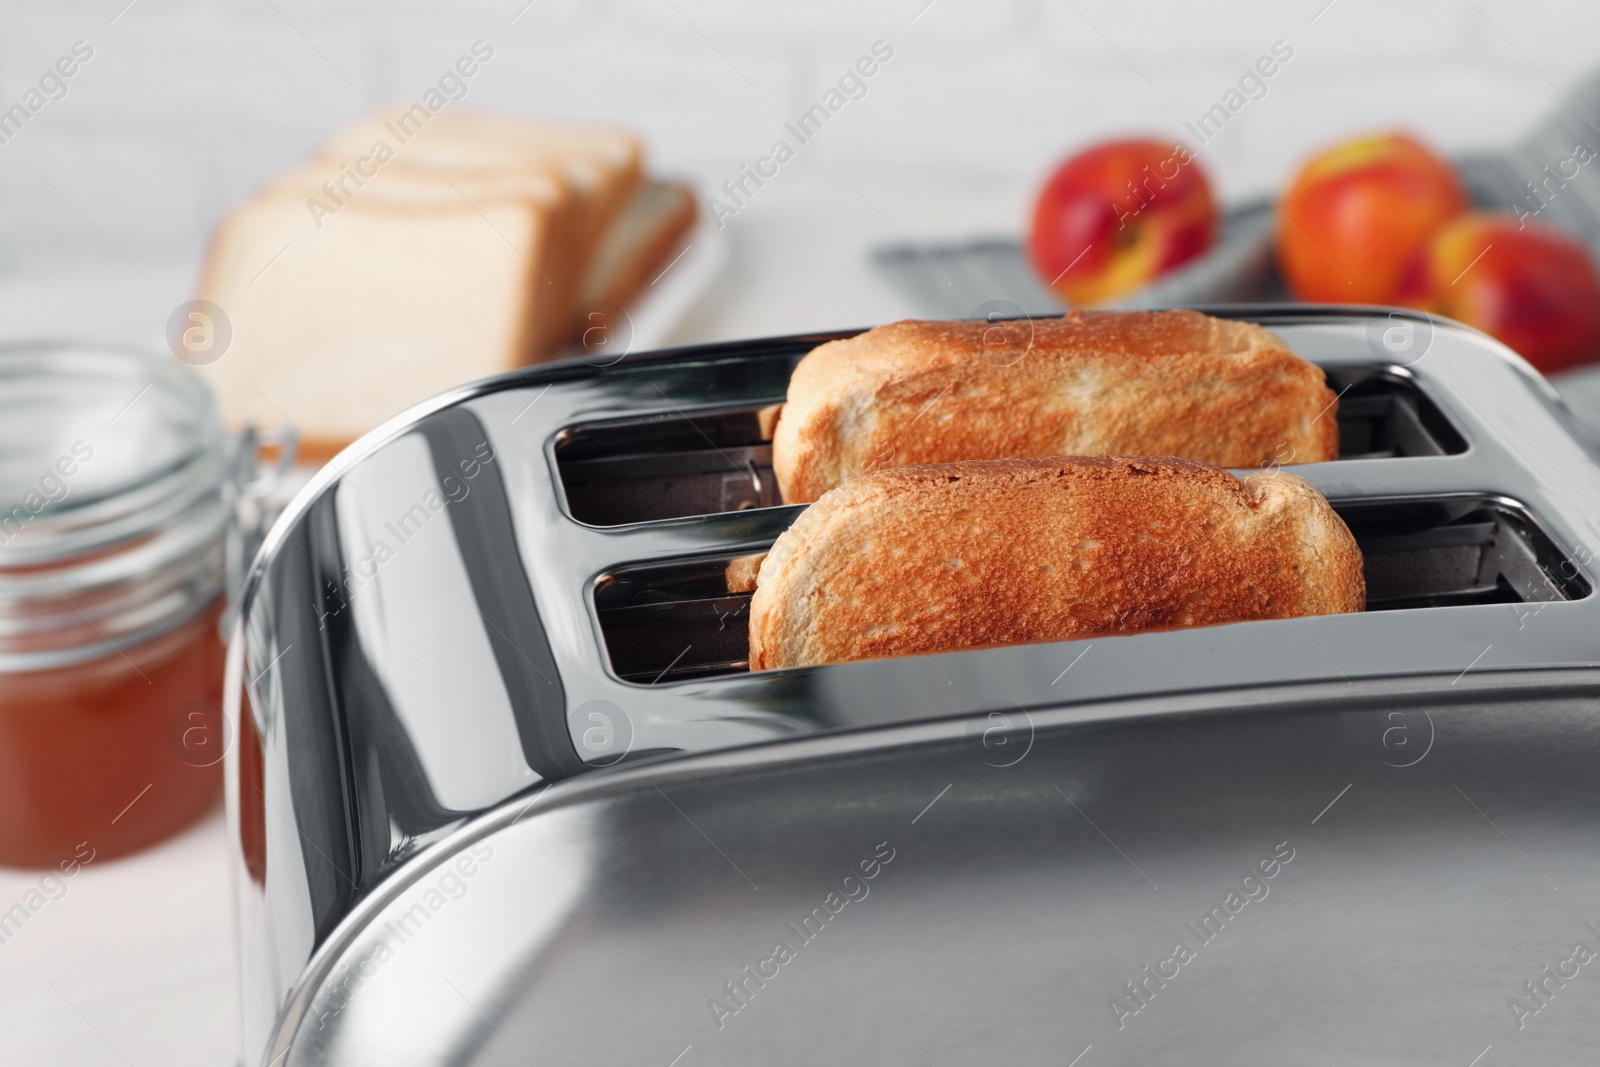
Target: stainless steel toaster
(503,789)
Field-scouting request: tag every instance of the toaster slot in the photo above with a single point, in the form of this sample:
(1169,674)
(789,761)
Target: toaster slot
(1383,415)
(671,621)
(684,465)
(667,468)
(1440,553)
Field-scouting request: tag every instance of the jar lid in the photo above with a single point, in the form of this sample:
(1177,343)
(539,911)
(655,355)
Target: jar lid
(112,514)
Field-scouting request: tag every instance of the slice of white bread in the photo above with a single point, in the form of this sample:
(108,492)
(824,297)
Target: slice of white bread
(335,329)
(641,240)
(553,294)
(602,165)
(420,250)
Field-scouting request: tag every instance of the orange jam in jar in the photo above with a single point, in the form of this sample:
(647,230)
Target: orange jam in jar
(113,525)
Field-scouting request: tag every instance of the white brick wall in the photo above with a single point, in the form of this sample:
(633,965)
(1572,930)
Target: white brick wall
(186,104)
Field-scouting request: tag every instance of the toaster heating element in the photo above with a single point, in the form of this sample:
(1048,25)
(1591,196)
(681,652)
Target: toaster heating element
(498,630)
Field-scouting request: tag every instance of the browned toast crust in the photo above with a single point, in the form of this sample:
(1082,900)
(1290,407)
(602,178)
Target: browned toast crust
(967,555)
(1092,383)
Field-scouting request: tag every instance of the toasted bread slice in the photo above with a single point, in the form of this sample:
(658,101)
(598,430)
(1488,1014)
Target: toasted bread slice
(1119,382)
(941,557)
(335,329)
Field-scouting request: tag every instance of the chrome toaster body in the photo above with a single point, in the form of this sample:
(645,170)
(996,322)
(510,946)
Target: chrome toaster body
(503,789)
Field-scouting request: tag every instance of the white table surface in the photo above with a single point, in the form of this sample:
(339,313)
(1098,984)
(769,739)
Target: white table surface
(133,965)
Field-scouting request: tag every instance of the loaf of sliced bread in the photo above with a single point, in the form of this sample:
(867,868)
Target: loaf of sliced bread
(418,250)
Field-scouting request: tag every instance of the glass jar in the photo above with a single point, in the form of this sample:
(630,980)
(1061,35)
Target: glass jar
(113,525)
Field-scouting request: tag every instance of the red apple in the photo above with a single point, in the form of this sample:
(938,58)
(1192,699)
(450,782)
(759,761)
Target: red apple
(1357,215)
(1118,216)
(1526,284)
